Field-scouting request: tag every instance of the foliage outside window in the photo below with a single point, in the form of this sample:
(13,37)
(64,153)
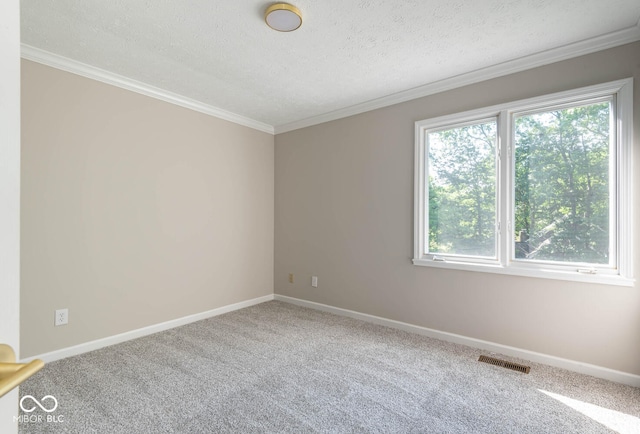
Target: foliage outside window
(562,190)
(540,187)
(462,189)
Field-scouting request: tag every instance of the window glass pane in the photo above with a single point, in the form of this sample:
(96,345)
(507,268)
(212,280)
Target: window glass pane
(562,184)
(462,190)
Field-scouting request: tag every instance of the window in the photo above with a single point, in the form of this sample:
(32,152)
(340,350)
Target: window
(462,169)
(540,187)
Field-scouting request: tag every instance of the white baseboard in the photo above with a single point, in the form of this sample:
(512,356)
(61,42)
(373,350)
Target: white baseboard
(558,362)
(572,365)
(133,334)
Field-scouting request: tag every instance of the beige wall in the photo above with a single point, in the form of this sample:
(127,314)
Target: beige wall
(344,212)
(134,211)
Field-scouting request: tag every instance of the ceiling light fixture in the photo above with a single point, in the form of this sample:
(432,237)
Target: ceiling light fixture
(283,17)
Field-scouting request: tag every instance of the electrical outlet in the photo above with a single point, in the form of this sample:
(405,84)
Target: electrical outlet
(290,277)
(62,317)
(314,281)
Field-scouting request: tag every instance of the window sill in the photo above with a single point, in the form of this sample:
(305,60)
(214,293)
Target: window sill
(604,279)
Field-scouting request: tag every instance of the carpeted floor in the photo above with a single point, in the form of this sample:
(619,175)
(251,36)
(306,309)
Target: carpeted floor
(278,368)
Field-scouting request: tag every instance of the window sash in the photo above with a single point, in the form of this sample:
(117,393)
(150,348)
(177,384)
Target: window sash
(612,185)
(443,256)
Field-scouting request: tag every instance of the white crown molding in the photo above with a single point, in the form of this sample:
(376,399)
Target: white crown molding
(50,59)
(565,52)
(558,362)
(569,51)
(145,331)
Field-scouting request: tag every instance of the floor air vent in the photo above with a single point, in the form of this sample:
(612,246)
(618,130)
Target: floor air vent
(505,364)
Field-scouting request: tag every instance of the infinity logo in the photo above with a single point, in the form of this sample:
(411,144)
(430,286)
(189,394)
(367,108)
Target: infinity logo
(39,403)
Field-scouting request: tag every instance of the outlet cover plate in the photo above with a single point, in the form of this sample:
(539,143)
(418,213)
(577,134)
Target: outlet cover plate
(62,317)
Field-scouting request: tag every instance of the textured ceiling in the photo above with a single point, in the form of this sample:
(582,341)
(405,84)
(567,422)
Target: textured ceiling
(346,52)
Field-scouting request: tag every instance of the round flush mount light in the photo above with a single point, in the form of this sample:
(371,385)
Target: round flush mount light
(283,17)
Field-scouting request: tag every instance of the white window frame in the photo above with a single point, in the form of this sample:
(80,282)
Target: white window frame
(621,173)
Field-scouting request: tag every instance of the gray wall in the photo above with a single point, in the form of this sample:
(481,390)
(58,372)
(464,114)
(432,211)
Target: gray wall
(344,212)
(134,211)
